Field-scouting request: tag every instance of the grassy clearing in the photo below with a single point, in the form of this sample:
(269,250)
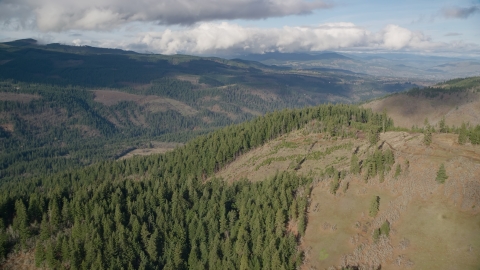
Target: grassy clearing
(441,236)
(332,222)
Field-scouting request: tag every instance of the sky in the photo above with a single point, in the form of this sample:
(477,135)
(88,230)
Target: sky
(239,27)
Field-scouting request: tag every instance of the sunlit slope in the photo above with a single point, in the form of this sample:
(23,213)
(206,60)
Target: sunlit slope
(457,101)
(432,225)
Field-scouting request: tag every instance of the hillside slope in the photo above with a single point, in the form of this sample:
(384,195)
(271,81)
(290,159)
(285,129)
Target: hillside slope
(68,106)
(457,101)
(431,225)
(310,188)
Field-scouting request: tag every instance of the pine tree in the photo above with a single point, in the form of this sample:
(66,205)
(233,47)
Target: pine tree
(152,246)
(3,240)
(376,234)
(21,222)
(385,228)
(398,171)
(441,174)
(373,135)
(335,184)
(374,206)
(44,228)
(354,165)
(462,134)
(39,254)
(443,127)
(427,135)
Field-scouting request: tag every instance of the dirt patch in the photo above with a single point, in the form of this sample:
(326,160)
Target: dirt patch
(20,260)
(138,86)
(193,79)
(153,148)
(151,103)
(217,109)
(110,97)
(8,127)
(17,97)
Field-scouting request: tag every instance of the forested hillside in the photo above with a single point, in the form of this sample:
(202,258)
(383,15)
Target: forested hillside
(164,211)
(67,114)
(451,102)
(65,106)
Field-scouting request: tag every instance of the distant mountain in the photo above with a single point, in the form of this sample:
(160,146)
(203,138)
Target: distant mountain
(379,64)
(293,56)
(99,103)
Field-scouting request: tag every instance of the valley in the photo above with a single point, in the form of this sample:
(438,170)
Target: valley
(186,162)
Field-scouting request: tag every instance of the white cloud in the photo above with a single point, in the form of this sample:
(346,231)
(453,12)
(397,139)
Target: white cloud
(211,38)
(62,15)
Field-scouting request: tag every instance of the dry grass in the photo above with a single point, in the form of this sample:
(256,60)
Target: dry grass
(413,204)
(440,236)
(284,153)
(428,220)
(337,220)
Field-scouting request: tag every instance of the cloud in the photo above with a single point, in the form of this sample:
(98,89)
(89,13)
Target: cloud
(453,34)
(61,15)
(459,13)
(217,38)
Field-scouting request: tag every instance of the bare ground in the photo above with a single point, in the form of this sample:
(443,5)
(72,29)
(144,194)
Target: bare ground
(157,148)
(152,103)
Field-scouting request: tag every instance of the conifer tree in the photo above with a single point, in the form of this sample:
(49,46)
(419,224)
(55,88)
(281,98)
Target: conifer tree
(441,174)
(442,126)
(374,206)
(20,222)
(462,134)
(335,184)
(385,228)
(39,254)
(427,135)
(3,240)
(398,171)
(354,165)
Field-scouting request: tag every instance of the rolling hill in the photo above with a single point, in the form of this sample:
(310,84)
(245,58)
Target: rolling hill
(65,106)
(327,186)
(252,186)
(455,101)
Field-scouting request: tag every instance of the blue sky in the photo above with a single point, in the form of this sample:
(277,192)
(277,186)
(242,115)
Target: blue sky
(222,27)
